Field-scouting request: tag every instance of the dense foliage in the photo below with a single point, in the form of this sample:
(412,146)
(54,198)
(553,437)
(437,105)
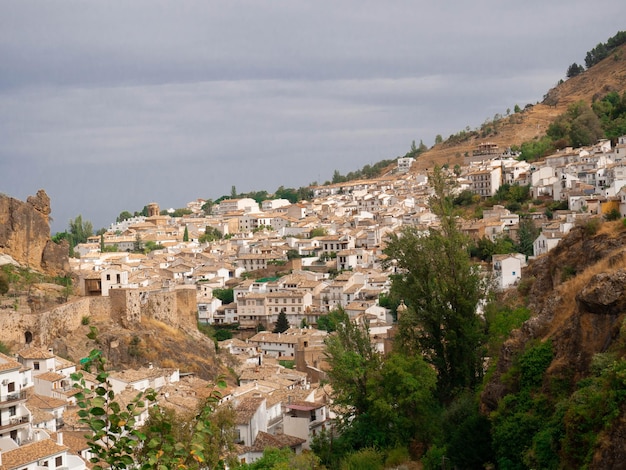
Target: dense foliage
(442,289)
(368,171)
(603,50)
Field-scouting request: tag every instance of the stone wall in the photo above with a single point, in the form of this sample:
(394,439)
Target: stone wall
(126,307)
(177,308)
(62,320)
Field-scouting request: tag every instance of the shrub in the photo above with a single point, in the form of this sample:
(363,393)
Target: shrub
(4,283)
(591,226)
(85,320)
(613,214)
(365,459)
(397,456)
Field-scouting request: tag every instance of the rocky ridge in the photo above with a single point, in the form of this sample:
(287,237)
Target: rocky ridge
(25,235)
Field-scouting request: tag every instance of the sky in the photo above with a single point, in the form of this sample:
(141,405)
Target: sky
(110,105)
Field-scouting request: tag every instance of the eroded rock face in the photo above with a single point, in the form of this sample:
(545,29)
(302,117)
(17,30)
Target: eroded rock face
(604,294)
(25,234)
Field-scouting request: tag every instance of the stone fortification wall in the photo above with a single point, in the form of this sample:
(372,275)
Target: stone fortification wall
(14,326)
(62,320)
(177,307)
(126,307)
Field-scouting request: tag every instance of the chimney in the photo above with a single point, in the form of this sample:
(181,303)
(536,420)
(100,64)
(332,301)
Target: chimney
(60,438)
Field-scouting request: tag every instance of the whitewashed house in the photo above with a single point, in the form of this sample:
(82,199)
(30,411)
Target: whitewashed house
(507,269)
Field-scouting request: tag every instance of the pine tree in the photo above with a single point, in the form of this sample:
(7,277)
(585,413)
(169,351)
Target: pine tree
(282,324)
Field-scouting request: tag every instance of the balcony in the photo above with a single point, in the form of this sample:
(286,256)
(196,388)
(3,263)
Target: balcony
(14,421)
(12,397)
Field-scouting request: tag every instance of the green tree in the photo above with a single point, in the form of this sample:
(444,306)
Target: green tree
(138,244)
(517,109)
(149,246)
(227,296)
(330,321)
(233,192)
(207,207)
(79,232)
(210,234)
(442,289)
(186,234)
(318,232)
(124,215)
(282,324)
(526,235)
(574,70)
(402,401)
(438,139)
(352,359)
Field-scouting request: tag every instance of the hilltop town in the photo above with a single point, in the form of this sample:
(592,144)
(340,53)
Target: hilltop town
(301,261)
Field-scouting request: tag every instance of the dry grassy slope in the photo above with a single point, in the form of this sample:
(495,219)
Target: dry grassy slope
(608,75)
(152,342)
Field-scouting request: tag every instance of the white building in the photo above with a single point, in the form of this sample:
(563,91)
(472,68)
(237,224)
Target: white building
(507,269)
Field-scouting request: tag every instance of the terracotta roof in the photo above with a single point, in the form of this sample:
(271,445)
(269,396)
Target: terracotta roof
(279,441)
(246,408)
(29,453)
(50,376)
(8,363)
(45,403)
(35,353)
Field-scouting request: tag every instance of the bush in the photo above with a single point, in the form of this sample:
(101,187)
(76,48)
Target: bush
(591,227)
(4,283)
(613,214)
(85,320)
(365,459)
(222,335)
(397,456)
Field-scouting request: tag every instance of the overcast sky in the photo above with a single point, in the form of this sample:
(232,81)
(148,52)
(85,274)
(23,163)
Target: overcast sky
(110,105)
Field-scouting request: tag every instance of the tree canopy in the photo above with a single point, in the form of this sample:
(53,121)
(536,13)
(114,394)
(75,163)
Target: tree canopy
(442,289)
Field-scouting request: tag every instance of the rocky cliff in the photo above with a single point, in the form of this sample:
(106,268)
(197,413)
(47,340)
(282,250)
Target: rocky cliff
(25,234)
(577,296)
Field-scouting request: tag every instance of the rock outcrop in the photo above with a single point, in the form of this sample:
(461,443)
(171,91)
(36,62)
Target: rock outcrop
(25,234)
(577,294)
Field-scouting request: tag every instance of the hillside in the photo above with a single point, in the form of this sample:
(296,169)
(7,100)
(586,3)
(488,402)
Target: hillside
(577,297)
(532,122)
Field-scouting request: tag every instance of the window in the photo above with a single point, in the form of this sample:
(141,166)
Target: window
(58,461)
(36,365)
(11,387)
(108,277)
(12,411)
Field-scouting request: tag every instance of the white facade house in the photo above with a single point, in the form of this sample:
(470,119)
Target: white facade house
(14,415)
(250,419)
(507,269)
(142,379)
(233,205)
(404,164)
(546,241)
(305,420)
